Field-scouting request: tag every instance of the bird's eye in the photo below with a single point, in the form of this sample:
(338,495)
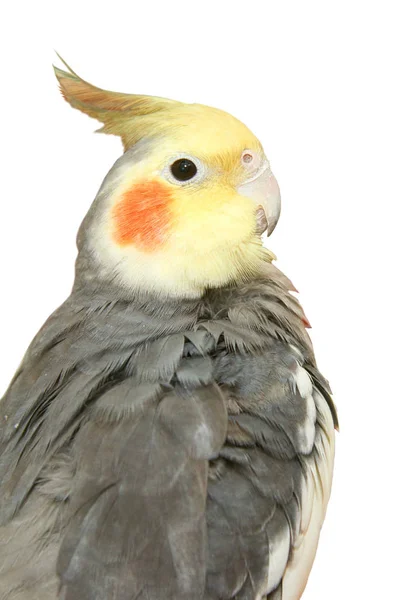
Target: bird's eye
(183,169)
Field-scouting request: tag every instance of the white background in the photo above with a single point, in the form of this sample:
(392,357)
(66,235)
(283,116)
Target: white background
(318,83)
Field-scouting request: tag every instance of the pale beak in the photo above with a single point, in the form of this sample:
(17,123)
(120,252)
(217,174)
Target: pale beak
(264,191)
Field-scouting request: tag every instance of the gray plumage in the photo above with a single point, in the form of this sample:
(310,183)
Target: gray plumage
(154,450)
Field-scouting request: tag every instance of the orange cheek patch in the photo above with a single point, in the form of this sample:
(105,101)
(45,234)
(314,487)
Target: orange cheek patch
(142,216)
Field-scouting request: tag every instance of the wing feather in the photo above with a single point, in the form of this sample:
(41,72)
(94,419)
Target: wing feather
(137,509)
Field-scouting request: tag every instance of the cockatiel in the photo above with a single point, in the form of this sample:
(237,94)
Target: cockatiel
(168,434)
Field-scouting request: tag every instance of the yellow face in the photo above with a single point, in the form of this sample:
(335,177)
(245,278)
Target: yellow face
(188,213)
(182,218)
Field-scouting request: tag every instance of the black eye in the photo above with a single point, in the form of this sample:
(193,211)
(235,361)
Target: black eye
(183,169)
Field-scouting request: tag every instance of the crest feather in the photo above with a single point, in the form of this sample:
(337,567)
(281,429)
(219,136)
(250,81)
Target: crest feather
(121,114)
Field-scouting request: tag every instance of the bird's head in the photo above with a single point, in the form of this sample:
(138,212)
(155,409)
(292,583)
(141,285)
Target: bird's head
(184,208)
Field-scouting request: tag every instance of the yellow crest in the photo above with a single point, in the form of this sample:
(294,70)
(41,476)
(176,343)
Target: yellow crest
(130,116)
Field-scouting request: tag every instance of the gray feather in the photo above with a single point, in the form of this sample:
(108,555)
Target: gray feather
(151,449)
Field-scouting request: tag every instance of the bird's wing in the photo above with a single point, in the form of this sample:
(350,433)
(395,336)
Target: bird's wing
(137,508)
(271,483)
(107,433)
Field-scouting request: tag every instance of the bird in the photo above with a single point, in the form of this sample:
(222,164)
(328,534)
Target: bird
(168,434)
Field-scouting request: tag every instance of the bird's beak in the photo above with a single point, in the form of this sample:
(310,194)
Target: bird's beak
(264,191)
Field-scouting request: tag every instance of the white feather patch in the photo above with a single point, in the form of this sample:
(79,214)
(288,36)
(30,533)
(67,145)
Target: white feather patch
(279,548)
(303,382)
(307,428)
(314,500)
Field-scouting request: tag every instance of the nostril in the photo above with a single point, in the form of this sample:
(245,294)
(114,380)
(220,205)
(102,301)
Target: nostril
(250,160)
(247,157)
